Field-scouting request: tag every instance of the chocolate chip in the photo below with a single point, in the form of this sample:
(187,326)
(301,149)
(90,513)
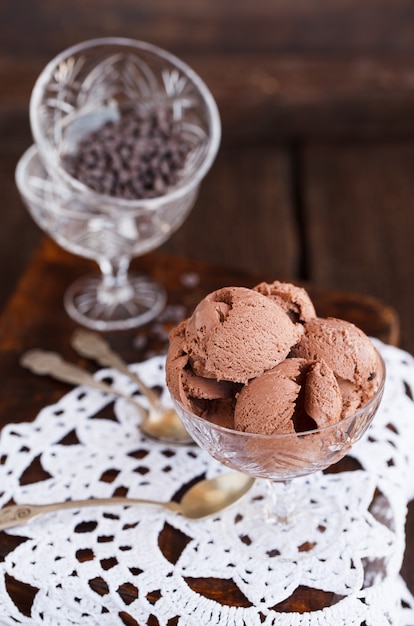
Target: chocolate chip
(139,156)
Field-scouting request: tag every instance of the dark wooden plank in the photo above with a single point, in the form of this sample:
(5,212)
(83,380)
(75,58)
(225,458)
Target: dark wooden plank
(19,236)
(275,68)
(342,27)
(264,96)
(245,215)
(357,207)
(295,96)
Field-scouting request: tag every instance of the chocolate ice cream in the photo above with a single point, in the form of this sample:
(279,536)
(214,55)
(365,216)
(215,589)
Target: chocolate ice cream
(259,360)
(348,352)
(204,396)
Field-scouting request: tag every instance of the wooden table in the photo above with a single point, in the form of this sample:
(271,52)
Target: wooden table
(313,182)
(34,317)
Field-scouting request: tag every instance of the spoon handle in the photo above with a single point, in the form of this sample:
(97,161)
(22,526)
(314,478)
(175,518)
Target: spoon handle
(17,514)
(47,363)
(94,346)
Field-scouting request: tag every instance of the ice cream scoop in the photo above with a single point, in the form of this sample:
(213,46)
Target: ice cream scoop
(158,422)
(348,351)
(193,391)
(293,299)
(295,396)
(236,334)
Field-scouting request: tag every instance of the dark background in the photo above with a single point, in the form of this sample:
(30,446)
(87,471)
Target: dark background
(314,179)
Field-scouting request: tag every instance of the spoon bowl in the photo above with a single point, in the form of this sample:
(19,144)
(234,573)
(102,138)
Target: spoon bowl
(205,498)
(161,422)
(155,423)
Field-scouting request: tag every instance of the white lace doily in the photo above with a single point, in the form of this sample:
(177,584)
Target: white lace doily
(105,565)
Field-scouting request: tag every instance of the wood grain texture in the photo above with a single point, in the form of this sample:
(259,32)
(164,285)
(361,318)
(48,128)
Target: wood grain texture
(360,222)
(244,216)
(345,26)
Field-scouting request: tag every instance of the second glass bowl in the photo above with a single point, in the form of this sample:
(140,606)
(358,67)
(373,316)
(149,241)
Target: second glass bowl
(79,91)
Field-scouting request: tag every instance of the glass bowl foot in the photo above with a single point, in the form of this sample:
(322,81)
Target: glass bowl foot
(134,303)
(314,523)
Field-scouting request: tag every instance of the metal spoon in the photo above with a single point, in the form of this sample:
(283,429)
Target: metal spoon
(161,422)
(203,499)
(47,363)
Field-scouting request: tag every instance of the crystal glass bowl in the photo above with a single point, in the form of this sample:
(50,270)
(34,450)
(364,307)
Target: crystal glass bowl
(281,457)
(85,87)
(286,509)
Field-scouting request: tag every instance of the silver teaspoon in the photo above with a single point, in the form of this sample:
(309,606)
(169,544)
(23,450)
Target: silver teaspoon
(46,363)
(161,422)
(205,498)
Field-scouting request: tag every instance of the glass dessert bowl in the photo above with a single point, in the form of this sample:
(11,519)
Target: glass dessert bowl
(271,390)
(145,193)
(281,458)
